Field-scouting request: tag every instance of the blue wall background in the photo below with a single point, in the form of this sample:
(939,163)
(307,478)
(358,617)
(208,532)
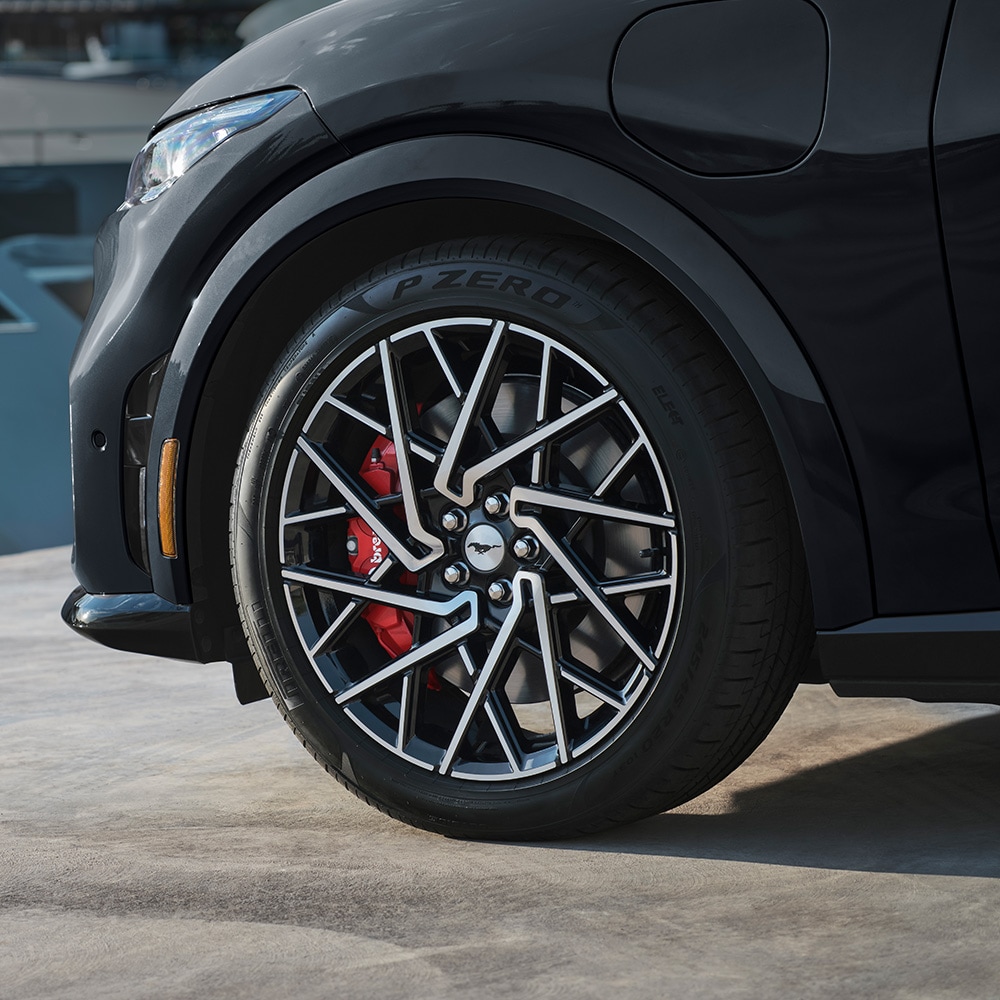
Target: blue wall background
(48,218)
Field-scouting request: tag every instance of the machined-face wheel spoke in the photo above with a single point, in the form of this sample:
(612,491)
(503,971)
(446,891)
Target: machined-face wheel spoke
(487,673)
(549,656)
(336,627)
(504,732)
(589,590)
(488,586)
(523,496)
(467,603)
(547,433)
(468,417)
(341,584)
(407,709)
(619,468)
(635,584)
(397,409)
(447,370)
(417,656)
(593,686)
(358,498)
(502,456)
(612,588)
(315,515)
(356,414)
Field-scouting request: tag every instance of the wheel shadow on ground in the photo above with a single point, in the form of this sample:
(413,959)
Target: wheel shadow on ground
(927,805)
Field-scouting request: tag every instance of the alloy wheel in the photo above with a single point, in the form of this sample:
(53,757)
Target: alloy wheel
(479,548)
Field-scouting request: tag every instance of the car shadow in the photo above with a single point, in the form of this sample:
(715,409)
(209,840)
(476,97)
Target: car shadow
(927,805)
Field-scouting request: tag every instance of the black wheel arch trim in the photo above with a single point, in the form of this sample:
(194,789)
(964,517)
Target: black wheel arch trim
(620,210)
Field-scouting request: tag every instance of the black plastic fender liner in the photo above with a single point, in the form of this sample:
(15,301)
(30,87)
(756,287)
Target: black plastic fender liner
(613,207)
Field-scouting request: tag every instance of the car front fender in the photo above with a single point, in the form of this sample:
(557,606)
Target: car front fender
(613,207)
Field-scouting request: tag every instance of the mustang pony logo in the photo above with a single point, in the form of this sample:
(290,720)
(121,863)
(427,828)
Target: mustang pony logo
(481,549)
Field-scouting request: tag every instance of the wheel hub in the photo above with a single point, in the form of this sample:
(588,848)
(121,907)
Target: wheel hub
(484,548)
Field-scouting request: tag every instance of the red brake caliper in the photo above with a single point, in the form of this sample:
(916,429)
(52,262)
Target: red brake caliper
(393,627)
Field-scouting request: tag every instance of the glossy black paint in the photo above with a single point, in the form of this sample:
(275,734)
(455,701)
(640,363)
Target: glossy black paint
(382,70)
(687,84)
(157,257)
(140,623)
(608,204)
(847,243)
(825,278)
(967,159)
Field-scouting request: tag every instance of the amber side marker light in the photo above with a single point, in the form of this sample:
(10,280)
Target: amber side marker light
(167,495)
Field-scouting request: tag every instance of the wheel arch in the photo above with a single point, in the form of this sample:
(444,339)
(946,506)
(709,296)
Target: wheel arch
(377,204)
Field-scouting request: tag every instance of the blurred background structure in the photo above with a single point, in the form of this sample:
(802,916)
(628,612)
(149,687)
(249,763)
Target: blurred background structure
(81,82)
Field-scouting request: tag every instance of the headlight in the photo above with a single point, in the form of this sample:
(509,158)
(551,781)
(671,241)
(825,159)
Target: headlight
(174,150)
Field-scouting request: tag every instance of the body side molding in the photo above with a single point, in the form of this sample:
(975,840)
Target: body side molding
(953,657)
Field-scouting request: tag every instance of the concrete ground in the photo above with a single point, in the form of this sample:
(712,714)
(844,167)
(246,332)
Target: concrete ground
(157,840)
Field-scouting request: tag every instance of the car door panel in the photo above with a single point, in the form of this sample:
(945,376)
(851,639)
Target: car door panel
(967,162)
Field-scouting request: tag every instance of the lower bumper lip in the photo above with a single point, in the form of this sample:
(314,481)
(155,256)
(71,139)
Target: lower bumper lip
(137,623)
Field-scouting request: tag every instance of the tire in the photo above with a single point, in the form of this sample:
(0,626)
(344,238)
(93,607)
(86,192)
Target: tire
(576,597)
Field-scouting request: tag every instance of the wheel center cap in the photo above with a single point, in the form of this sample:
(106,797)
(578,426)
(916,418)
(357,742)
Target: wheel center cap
(484,548)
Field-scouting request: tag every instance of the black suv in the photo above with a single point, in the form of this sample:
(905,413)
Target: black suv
(527,396)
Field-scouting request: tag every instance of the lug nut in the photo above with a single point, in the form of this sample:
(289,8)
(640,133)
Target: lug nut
(496,504)
(456,574)
(525,547)
(454,520)
(499,592)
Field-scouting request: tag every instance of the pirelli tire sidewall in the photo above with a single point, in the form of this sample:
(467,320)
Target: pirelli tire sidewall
(667,719)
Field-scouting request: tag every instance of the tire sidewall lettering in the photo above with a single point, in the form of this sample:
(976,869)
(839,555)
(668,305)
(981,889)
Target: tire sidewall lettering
(519,288)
